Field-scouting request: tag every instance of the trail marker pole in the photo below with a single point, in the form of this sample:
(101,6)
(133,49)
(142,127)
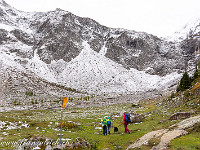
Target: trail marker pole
(64,102)
(61,124)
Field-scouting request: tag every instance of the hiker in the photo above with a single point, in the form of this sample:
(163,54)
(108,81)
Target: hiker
(125,123)
(104,124)
(109,122)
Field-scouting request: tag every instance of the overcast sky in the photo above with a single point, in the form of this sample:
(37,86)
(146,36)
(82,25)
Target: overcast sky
(158,17)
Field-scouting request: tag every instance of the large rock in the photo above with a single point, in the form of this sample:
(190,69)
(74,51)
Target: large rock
(136,118)
(180,115)
(60,147)
(80,143)
(48,147)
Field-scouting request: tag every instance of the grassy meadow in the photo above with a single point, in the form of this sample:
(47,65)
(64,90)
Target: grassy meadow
(85,123)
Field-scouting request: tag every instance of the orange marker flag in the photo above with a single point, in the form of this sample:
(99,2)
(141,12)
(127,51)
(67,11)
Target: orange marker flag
(64,101)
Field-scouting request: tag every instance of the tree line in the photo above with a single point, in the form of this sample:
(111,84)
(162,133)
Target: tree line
(186,81)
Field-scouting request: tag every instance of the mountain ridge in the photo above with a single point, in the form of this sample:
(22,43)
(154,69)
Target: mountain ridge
(75,52)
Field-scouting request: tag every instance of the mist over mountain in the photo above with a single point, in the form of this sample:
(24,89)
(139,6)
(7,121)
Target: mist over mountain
(42,49)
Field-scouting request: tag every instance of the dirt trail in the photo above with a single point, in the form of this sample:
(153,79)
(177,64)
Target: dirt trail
(166,134)
(167,137)
(144,139)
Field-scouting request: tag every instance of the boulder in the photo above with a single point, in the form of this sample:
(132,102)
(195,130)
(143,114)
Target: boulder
(48,147)
(179,115)
(60,147)
(136,118)
(80,143)
(162,121)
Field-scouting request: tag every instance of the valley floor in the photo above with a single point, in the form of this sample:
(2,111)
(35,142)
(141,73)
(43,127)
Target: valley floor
(85,123)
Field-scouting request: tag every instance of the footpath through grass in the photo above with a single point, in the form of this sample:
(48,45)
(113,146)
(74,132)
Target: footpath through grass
(77,122)
(84,123)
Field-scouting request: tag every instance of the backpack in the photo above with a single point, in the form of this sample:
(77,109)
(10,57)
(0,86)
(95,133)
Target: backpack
(104,122)
(108,122)
(128,118)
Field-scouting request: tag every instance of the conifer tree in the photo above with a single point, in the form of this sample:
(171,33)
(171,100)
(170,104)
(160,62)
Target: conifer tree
(185,82)
(197,72)
(196,75)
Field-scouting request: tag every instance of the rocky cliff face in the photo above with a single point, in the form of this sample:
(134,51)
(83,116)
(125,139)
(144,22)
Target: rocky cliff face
(79,53)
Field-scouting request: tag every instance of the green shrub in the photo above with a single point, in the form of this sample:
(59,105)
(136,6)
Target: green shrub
(134,105)
(187,93)
(86,98)
(29,93)
(196,127)
(197,146)
(16,102)
(70,99)
(34,102)
(172,95)
(68,125)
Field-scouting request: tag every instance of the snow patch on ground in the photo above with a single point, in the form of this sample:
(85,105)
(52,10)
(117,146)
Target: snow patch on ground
(6,27)
(6,125)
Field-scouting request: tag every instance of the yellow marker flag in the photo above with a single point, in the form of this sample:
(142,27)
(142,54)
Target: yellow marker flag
(64,101)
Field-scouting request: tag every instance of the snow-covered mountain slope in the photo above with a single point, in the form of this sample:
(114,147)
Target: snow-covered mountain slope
(188,30)
(79,53)
(106,75)
(93,72)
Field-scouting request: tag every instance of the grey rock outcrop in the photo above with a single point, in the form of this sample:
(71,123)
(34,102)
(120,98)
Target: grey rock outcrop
(136,118)
(48,147)
(180,115)
(80,143)
(60,147)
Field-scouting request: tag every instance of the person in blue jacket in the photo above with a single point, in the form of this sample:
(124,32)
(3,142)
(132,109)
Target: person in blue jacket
(109,122)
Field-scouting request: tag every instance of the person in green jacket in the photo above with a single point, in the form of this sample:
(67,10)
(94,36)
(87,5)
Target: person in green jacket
(104,124)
